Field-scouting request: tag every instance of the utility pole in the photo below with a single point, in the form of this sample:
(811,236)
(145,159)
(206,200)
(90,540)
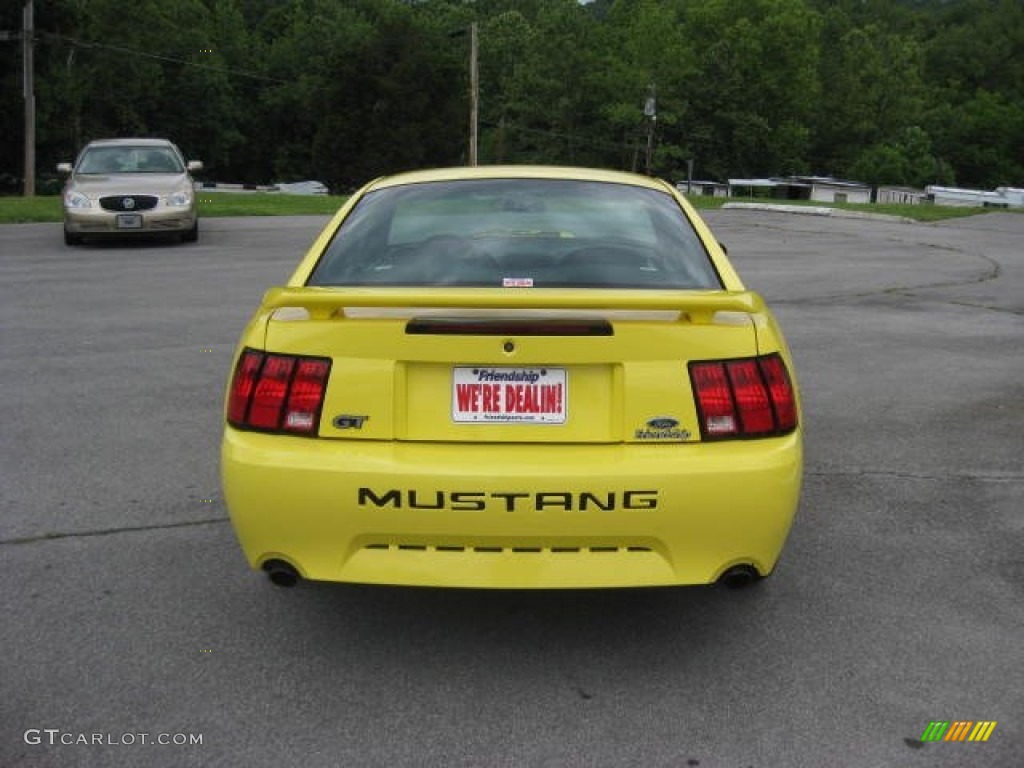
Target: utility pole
(28,72)
(651,113)
(474,94)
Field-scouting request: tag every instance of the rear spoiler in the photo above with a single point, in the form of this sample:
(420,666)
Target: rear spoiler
(699,306)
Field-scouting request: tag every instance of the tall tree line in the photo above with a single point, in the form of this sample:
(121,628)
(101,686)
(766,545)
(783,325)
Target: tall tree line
(885,91)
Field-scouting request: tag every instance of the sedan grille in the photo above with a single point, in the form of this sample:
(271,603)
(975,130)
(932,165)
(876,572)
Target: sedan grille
(128,202)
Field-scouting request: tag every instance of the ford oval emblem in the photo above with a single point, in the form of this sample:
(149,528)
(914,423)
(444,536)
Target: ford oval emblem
(662,423)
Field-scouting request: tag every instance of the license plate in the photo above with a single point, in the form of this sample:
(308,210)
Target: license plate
(482,395)
(129,221)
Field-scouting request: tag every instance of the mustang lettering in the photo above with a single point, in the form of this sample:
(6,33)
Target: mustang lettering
(477,501)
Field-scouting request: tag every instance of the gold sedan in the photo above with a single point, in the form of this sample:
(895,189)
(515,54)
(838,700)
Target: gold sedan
(121,187)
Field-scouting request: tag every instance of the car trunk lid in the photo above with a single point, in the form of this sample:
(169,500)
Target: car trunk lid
(533,366)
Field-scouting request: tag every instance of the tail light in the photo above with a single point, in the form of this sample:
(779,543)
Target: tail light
(278,393)
(747,398)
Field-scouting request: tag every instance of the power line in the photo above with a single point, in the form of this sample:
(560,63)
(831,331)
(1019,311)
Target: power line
(87,44)
(575,138)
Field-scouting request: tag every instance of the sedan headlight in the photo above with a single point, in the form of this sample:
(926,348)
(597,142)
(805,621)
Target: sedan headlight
(179,199)
(74,199)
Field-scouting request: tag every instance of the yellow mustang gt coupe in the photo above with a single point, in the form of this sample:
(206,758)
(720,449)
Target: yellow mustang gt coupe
(513,377)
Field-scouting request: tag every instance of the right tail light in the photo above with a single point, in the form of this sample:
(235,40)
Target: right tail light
(747,398)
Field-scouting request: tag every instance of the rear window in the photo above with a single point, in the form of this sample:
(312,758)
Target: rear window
(517,233)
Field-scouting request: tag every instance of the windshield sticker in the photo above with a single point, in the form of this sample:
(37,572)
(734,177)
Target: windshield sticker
(517,282)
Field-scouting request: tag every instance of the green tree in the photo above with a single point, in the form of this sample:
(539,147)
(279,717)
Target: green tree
(650,48)
(754,98)
(553,100)
(907,91)
(982,139)
(906,160)
(975,60)
(872,90)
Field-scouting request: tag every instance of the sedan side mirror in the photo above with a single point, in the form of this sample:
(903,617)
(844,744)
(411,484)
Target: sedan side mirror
(194,165)
(63,167)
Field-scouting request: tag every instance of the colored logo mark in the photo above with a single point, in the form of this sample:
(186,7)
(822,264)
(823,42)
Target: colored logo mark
(958,730)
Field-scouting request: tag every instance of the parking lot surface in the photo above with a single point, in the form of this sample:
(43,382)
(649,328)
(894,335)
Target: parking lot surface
(131,619)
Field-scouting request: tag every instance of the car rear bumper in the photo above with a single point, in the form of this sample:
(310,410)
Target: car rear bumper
(511,515)
(105,223)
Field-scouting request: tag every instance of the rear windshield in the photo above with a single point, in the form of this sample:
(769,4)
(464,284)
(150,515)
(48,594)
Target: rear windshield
(517,233)
(130,160)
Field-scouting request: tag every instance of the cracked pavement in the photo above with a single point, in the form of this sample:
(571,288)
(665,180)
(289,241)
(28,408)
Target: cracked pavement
(899,599)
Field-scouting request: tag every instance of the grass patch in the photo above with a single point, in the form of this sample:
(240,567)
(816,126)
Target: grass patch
(214,204)
(921,212)
(915,212)
(15,210)
(706,202)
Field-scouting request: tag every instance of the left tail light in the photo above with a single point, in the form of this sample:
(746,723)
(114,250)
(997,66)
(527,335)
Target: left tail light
(278,393)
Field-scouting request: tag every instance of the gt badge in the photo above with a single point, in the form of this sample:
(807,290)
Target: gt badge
(348,421)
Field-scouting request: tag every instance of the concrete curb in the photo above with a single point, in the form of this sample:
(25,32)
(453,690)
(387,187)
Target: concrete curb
(215,186)
(814,210)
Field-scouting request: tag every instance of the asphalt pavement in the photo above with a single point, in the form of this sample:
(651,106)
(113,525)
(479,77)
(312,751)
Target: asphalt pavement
(134,634)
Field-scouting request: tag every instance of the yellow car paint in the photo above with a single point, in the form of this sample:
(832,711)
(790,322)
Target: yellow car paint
(399,487)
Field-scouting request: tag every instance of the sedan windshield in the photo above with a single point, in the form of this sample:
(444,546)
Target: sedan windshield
(130,160)
(518,233)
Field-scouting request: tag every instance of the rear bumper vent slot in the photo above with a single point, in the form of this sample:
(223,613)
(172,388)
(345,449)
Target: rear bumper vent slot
(462,326)
(490,549)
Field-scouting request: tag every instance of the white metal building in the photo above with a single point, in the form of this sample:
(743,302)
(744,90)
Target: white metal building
(822,189)
(1002,197)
